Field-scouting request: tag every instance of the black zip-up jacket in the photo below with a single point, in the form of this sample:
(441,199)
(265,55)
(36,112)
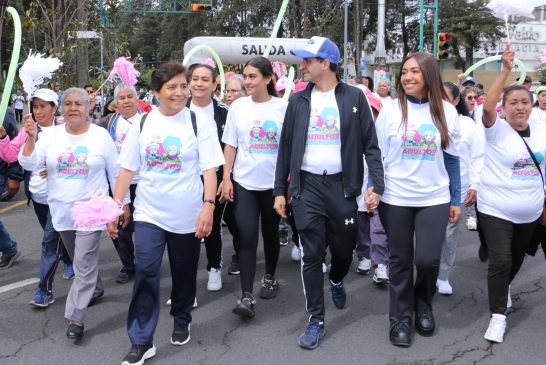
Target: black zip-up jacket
(358,137)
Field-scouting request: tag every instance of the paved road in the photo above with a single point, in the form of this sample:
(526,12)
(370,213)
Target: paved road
(355,335)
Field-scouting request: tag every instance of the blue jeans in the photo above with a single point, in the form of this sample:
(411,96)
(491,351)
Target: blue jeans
(52,247)
(8,247)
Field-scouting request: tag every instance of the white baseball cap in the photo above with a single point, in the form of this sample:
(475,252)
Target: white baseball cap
(47,95)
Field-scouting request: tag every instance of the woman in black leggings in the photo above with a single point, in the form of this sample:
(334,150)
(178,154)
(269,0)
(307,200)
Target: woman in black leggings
(252,132)
(419,143)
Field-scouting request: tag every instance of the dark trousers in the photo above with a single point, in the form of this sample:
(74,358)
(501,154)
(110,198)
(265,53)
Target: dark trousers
(323,214)
(124,244)
(249,206)
(229,219)
(213,243)
(53,249)
(428,224)
(183,250)
(507,243)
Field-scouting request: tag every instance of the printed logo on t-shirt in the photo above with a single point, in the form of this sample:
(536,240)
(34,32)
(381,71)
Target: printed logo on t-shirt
(525,169)
(72,164)
(119,138)
(163,157)
(323,127)
(263,137)
(420,144)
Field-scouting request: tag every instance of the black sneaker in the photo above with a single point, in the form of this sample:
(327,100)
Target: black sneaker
(7,261)
(245,306)
(138,354)
(270,287)
(283,238)
(233,268)
(181,334)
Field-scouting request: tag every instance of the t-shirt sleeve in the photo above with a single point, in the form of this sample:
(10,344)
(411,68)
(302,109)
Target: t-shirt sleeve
(230,130)
(380,126)
(129,156)
(492,133)
(38,155)
(454,129)
(210,152)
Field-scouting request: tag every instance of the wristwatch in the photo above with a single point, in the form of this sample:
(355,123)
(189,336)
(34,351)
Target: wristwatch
(210,201)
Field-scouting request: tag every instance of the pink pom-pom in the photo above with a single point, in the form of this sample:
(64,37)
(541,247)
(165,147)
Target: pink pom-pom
(125,71)
(98,211)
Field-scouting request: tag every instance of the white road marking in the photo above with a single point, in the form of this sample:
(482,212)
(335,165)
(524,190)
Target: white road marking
(18,284)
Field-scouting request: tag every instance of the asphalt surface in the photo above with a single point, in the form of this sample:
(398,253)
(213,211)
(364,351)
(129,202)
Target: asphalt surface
(357,334)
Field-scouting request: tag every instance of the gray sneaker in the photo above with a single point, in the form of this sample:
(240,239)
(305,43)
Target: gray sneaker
(270,287)
(7,261)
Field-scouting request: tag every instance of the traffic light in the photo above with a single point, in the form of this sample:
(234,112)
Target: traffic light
(197,7)
(442,49)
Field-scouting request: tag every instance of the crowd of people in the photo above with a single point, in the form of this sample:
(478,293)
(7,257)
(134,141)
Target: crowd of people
(389,176)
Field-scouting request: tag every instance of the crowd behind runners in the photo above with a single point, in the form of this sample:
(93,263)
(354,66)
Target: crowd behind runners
(389,176)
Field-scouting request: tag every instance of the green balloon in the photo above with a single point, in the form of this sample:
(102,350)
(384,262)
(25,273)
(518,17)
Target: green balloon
(13,63)
(521,66)
(276,28)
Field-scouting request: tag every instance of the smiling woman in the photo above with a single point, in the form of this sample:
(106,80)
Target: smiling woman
(511,194)
(169,157)
(419,140)
(80,160)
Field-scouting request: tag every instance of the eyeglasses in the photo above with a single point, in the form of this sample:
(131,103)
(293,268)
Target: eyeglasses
(233,91)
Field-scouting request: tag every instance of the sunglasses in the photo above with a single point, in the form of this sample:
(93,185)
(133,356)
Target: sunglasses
(470,97)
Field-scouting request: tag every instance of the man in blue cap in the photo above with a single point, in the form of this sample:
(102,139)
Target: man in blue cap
(326,174)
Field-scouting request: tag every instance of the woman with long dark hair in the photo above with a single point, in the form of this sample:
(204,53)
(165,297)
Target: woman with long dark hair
(419,141)
(251,138)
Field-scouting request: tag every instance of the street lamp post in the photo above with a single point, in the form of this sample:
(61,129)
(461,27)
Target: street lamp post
(345,38)
(88,34)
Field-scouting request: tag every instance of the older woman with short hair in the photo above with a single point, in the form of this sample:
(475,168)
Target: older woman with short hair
(79,158)
(235,89)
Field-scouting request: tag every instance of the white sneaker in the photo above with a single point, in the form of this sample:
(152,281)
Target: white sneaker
(509,301)
(326,268)
(444,288)
(381,276)
(296,253)
(215,280)
(471,224)
(497,326)
(364,266)
(169,302)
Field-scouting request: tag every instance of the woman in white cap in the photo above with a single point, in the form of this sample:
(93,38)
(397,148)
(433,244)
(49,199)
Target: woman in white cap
(44,104)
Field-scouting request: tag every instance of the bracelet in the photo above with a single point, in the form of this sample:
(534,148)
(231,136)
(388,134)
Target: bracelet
(210,201)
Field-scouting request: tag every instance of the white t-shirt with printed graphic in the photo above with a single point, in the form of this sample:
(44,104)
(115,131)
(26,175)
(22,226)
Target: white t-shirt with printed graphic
(77,167)
(413,159)
(510,184)
(123,127)
(37,185)
(206,113)
(255,129)
(169,159)
(323,143)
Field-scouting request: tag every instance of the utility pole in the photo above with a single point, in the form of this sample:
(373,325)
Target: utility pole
(422,8)
(345,38)
(381,68)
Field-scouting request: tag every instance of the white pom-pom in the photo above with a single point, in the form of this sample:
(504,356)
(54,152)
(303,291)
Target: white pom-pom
(36,69)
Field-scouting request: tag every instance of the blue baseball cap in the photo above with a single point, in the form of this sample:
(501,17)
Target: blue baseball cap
(469,79)
(319,47)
